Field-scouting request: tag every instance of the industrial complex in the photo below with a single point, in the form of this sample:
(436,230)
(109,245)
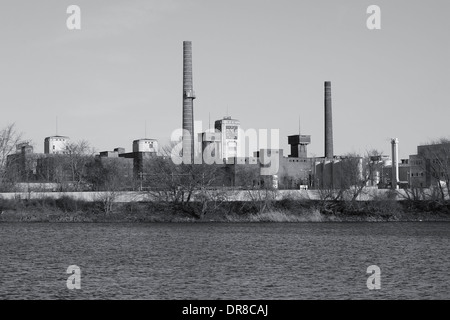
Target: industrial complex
(225,143)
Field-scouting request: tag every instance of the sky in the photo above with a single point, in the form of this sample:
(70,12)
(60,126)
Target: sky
(119,78)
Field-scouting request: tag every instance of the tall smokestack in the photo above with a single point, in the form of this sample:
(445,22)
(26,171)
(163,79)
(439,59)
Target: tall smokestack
(328,122)
(395,175)
(188,105)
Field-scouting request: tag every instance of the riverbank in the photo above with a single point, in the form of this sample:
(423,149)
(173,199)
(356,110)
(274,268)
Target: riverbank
(287,210)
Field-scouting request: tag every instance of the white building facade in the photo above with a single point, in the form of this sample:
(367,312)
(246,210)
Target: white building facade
(56,145)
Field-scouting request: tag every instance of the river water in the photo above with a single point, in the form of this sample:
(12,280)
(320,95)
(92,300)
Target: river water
(225,260)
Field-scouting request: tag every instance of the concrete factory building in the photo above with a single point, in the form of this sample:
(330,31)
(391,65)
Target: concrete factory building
(143,149)
(229,137)
(27,166)
(145,145)
(430,166)
(210,142)
(226,144)
(299,143)
(22,165)
(56,145)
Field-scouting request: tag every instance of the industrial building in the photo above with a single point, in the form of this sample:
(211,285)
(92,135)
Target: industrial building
(145,145)
(130,165)
(56,164)
(430,166)
(22,165)
(395,178)
(299,143)
(56,145)
(229,137)
(50,166)
(210,143)
(224,145)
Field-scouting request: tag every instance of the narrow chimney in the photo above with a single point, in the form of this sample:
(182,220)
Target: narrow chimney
(395,175)
(188,105)
(328,122)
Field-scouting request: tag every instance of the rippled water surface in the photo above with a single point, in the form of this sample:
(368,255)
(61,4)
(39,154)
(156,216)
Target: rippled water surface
(225,261)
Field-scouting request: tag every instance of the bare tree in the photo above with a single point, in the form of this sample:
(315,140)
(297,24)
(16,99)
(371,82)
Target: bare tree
(109,176)
(351,175)
(436,156)
(262,197)
(358,173)
(412,193)
(9,138)
(181,185)
(259,190)
(68,168)
(79,155)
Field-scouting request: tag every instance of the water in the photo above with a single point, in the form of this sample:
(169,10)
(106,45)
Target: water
(225,260)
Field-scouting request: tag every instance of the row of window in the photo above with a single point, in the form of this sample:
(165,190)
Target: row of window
(297,160)
(435,174)
(440,161)
(442,174)
(417,174)
(433,161)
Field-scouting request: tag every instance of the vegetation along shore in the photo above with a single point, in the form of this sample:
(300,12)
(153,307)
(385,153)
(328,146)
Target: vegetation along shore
(68,209)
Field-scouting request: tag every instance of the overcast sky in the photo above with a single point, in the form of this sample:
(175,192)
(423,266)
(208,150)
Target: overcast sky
(264,61)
